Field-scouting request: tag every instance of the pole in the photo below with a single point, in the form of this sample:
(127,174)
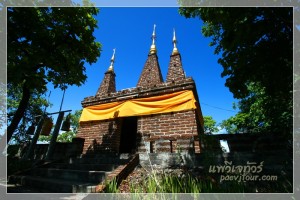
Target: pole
(56,130)
(51,147)
(29,153)
(62,100)
(59,112)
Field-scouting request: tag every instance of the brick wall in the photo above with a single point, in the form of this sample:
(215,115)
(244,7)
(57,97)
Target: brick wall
(100,136)
(62,150)
(170,132)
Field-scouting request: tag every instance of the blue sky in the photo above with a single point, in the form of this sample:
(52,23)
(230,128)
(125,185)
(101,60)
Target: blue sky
(129,31)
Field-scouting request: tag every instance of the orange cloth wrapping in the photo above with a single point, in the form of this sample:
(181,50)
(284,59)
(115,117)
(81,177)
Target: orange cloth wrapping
(178,101)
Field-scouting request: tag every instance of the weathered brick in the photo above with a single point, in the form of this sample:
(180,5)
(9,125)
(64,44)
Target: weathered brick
(151,75)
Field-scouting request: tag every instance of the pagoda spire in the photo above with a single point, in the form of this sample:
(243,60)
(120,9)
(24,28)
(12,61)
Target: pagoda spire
(151,74)
(153,37)
(108,84)
(175,70)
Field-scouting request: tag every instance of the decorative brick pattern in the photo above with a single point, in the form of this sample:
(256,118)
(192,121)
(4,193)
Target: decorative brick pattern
(175,70)
(108,84)
(151,74)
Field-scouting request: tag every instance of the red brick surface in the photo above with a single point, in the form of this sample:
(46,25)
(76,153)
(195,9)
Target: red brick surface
(161,129)
(151,74)
(175,70)
(100,136)
(108,84)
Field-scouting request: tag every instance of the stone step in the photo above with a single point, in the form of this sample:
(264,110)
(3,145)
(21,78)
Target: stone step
(115,161)
(107,156)
(81,176)
(72,175)
(53,185)
(87,167)
(100,155)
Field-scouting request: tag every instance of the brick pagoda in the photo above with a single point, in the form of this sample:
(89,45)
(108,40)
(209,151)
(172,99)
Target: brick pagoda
(153,117)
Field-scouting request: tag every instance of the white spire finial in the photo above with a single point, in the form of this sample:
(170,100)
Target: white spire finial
(112,60)
(174,35)
(153,35)
(175,50)
(113,56)
(153,48)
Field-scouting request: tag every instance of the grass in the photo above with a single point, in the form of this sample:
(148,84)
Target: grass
(111,186)
(166,183)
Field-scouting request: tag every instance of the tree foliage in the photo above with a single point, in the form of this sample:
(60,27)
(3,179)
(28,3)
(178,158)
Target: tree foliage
(35,108)
(236,124)
(75,120)
(256,47)
(48,44)
(210,125)
(66,136)
(53,48)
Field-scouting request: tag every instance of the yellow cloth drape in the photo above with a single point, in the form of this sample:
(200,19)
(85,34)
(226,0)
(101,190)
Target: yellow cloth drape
(177,101)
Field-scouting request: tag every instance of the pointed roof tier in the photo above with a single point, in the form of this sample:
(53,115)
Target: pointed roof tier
(175,70)
(108,84)
(151,74)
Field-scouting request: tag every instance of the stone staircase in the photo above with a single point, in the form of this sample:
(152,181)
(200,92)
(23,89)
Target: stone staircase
(85,174)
